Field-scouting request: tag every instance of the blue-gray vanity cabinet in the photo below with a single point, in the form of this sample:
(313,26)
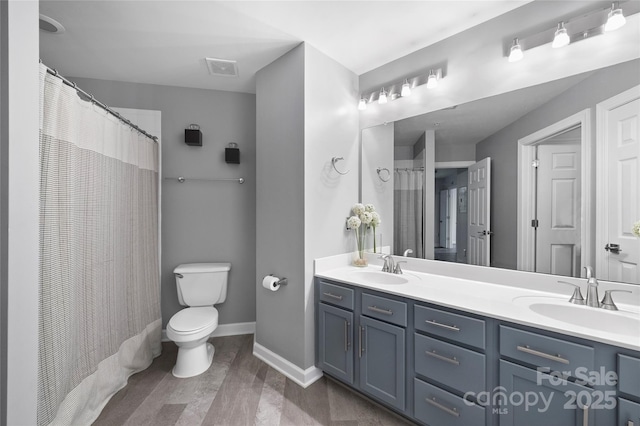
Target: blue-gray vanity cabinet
(437,407)
(629,375)
(532,398)
(628,413)
(381,353)
(335,353)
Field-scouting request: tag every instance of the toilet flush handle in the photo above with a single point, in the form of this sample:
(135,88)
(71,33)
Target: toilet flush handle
(179,275)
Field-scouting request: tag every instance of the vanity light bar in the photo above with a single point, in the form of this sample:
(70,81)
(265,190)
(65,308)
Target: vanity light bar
(394,91)
(578,28)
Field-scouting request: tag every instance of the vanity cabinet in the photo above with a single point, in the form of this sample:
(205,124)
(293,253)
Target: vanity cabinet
(382,361)
(440,366)
(629,388)
(369,353)
(335,328)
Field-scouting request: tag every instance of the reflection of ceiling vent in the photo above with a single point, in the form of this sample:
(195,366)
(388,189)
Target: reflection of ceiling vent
(50,25)
(222,67)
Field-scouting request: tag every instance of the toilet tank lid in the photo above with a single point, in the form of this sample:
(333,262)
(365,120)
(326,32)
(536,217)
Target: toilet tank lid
(195,268)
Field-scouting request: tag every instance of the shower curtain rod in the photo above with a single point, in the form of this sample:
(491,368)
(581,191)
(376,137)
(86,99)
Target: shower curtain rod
(406,169)
(93,100)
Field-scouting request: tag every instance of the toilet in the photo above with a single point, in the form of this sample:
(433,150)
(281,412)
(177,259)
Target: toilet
(200,286)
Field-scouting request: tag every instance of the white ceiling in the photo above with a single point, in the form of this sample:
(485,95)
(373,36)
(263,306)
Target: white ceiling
(165,42)
(470,123)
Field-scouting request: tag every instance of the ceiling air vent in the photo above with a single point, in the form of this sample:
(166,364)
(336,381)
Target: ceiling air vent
(222,67)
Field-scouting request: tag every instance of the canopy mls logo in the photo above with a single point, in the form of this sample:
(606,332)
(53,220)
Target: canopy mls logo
(501,400)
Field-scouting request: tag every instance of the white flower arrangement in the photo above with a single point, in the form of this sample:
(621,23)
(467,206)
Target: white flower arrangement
(364,217)
(636,229)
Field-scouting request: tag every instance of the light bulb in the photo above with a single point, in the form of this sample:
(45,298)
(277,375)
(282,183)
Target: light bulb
(362,104)
(406,89)
(516,51)
(432,80)
(382,99)
(561,38)
(615,19)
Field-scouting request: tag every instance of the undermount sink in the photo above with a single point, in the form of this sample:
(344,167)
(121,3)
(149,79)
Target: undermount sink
(618,322)
(378,277)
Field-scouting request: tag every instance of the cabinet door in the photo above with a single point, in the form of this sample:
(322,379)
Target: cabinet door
(335,342)
(381,351)
(628,413)
(532,398)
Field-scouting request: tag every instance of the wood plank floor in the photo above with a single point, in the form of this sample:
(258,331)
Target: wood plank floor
(238,389)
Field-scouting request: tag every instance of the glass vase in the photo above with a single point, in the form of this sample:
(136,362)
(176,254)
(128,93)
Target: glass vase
(359,255)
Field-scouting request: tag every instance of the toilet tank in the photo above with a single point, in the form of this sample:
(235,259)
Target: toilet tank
(202,284)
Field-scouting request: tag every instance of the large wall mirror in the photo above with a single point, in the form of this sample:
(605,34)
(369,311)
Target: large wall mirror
(507,181)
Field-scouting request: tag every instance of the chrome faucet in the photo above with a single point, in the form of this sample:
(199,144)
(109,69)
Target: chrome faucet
(407,252)
(388,263)
(398,269)
(592,288)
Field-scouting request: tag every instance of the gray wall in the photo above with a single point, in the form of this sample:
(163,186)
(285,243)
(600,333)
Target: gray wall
(502,147)
(306,114)
(201,221)
(280,202)
(4,200)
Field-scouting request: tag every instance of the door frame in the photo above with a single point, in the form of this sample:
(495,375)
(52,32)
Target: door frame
(527,188)
(602,177)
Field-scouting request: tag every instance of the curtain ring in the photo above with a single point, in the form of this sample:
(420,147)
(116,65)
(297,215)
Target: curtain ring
(379,170)
(334,160)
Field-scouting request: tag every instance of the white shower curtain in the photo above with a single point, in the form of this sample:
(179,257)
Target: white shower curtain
(408,211)
(99,279)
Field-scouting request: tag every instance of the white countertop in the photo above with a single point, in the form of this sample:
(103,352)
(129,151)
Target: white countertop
(503,302)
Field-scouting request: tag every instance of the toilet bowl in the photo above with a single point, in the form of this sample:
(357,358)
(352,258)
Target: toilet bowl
(190,329)
(200,286)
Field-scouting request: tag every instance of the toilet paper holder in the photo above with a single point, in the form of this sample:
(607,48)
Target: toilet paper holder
(281,281)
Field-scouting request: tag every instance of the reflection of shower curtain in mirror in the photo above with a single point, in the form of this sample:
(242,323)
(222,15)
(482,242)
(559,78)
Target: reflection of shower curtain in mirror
(99,280)
(408,212)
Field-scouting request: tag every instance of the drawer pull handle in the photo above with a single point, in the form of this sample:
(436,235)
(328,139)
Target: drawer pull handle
(448,327)
(443,358)
(380,310)
(528,350)
(447,410)
(333,296)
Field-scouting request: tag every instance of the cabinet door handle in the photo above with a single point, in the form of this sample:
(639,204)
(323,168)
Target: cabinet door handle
(346,336)
(333,296)
(443,358)
(528,350)
(585,415)
(360,349)
(380,310)
(448,327)
(447,410)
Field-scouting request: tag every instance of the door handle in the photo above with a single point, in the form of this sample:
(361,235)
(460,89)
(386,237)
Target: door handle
(485,232)
(613,248)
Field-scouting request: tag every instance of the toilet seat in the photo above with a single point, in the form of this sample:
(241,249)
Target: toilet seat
(193,320)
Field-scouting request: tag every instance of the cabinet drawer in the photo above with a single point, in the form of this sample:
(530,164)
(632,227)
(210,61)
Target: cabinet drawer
(629,375)
(628,413)
(451,326)
(450,365)
(336,295)
(437,407)
(384,309)
(545,352)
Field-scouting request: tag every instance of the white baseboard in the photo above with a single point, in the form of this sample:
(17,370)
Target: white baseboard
(302,377)
(225,330)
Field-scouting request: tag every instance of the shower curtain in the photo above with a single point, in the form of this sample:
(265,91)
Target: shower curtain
(408,211)
(99,318)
